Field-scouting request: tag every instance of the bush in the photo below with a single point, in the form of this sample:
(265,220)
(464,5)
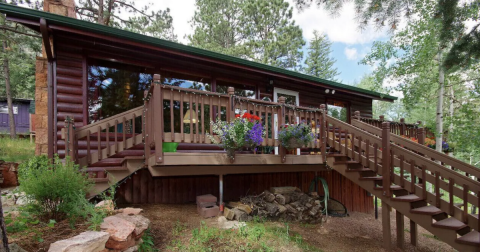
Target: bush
(54,190)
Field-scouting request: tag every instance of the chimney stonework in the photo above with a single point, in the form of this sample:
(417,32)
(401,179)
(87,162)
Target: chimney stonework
(64,8)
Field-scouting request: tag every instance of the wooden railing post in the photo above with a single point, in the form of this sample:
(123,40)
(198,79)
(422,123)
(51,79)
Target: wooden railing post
(157,118)
(416,130)
(231,104)
(323,131)
(357,115)
(386,158)
(70,147)
(402,127)
(421,135)
(281,121)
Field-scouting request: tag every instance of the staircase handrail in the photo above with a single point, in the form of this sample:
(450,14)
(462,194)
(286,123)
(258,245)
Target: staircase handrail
(83,131)
(421,149)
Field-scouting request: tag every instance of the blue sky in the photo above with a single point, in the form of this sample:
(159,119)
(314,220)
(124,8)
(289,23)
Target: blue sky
(349,43)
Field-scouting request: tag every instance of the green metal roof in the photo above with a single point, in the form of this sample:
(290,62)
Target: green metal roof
(51,18)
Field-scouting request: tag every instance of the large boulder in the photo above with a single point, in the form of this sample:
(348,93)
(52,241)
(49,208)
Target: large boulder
(86,241)
(141,223)
(121,232)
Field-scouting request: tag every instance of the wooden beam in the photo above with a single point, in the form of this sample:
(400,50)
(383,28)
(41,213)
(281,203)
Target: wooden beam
(387,236)
(413,233)
(400,229)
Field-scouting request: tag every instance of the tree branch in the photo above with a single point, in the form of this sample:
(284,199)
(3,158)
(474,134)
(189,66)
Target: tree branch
(6,28)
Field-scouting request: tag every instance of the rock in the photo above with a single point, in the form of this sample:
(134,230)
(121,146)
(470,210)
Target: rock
(106,205)
(141,223)
(15,248)
(86,241)
(130,211)
(132,249)
(120,231)
(223,223)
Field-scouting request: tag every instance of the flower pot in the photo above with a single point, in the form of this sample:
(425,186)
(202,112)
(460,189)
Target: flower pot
(169,147)
(294,143)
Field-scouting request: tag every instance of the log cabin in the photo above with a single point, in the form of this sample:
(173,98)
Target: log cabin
(111,99)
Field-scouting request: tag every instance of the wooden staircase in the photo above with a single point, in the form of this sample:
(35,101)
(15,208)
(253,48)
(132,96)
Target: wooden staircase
(370,159)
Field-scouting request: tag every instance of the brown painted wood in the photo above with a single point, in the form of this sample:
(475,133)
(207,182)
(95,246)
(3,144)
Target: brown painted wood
(387,236)
(400,230)
(413,233)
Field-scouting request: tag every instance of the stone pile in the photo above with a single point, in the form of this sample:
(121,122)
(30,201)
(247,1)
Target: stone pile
(207,206)
(121,232)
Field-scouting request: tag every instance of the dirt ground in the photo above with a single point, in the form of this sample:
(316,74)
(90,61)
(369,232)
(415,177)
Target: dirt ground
(358,232)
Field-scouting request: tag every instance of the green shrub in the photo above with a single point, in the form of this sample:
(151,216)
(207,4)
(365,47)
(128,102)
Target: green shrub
(54,190)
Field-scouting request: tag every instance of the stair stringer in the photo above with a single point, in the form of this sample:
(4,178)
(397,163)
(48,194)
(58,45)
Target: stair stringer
(447,236)
(131,165)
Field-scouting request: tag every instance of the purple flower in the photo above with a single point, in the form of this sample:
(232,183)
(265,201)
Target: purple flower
(254,136)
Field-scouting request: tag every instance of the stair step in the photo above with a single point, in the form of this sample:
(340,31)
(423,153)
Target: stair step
(450,223)
(336,155)
(358,170)
(372,178)
(427,210)
(109,162)
(345,162)
(472,238)
(407,198)
(100,180)
(106,168)
(392,187)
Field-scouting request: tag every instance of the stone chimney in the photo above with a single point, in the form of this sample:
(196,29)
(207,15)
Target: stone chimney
(64,8)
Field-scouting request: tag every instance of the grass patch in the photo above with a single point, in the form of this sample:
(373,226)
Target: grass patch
(255,236)
(16,150)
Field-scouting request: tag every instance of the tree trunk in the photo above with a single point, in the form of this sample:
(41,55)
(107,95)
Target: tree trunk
(100,12)
(6,71)
(441,91)
(451,111)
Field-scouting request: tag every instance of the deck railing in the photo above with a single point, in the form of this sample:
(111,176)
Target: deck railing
(203,107)
(413,166)
(398,128)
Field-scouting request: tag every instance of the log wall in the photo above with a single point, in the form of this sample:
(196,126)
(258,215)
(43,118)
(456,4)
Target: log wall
(143,188)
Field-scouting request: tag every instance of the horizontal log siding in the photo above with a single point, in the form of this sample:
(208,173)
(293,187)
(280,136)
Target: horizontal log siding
(69,88)
(143,188)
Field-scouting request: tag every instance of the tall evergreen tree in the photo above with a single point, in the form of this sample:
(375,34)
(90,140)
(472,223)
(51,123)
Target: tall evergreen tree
(318,62)
(258,30)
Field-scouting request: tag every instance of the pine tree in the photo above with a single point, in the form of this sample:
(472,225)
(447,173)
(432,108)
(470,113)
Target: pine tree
(262,31)
(318,62)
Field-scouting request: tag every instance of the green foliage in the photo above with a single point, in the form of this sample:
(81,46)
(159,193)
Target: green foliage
(16,150)
(143,20)
(148,244)
(54,190)
(318,62)
(262,31)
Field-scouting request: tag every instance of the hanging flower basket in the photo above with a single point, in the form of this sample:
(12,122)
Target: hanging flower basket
(296,135)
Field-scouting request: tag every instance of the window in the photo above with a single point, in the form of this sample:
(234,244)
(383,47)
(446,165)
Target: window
(4,109)
(292,97)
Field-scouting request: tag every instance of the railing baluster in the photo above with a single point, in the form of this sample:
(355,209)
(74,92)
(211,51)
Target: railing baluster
(182,132)
(437,189)
(465,204)
(360,156)
(172,117)
(116,136)
(89,154)
(367,152)
(413,177)
(124,136)
(272,126)
(202,115)
(375,157)
(99,143)
(353,146)
(197,135)
(402,179)
(191,117)
(450,196)
(211,108)
(346,141)
(107,135)
(219,108)
(424,182)
(134,140)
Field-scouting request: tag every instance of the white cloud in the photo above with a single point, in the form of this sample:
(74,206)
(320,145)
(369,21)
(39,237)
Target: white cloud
(342,28)
(351,53)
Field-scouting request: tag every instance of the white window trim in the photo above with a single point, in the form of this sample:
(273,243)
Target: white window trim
(275,99)
(287,92)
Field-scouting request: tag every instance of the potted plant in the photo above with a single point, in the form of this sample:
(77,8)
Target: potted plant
(296,135)
(243,131)
(169,147)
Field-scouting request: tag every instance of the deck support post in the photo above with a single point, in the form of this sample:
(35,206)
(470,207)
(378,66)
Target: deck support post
(387,236)
(157,119)
(413,233)
(400,229)
(220,196)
